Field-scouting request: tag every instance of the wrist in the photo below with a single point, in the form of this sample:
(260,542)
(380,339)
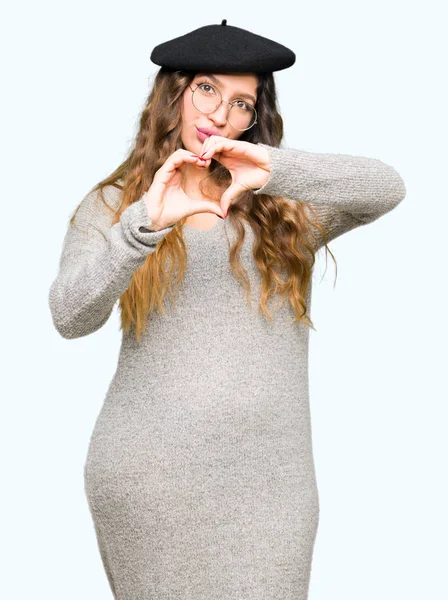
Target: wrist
(153,225)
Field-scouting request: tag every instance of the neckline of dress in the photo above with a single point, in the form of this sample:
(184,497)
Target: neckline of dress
(203,231)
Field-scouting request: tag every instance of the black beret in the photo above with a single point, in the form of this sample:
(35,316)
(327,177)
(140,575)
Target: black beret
(223,48)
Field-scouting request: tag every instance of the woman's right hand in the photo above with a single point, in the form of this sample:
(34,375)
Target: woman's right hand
(166,201)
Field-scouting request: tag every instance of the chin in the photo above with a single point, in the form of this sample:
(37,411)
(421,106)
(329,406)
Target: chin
(190,145)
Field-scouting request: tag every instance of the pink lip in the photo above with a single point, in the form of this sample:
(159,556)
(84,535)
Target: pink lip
(201,135)
(207,131)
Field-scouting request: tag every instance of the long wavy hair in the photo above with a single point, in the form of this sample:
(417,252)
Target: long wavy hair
(283,231)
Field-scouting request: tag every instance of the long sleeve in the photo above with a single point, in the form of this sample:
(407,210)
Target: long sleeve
(345,191)
(98,261)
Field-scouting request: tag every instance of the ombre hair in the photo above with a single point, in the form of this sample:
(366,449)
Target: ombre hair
(284,238)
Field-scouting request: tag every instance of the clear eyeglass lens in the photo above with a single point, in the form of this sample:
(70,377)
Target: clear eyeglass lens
(241,115)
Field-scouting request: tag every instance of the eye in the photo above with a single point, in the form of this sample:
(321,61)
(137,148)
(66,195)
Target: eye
(243,105)
(206,85)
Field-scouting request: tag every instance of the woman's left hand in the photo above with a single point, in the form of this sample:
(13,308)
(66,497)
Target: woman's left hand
(249,165)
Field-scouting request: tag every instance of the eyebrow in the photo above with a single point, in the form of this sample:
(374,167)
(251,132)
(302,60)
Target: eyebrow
(219,82)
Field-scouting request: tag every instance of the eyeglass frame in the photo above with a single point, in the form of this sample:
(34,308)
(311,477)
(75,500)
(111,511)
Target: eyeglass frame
(218,105)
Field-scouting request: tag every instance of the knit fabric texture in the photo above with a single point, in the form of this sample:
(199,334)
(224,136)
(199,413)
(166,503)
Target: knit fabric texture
(199,473)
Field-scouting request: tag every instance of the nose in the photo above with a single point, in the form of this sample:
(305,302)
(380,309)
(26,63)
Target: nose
(220,114)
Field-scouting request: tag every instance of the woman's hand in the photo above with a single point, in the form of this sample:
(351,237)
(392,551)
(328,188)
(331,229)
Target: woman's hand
(249,165)
(166,201)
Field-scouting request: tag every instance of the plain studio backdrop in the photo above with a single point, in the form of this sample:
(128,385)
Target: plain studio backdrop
(370,80)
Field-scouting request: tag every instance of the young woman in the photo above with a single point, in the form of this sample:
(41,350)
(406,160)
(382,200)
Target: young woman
(199,473)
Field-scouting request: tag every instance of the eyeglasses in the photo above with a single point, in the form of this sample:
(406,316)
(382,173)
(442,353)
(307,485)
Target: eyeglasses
(206,99)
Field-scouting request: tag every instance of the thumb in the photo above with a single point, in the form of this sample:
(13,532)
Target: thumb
(210,207)
(229,195)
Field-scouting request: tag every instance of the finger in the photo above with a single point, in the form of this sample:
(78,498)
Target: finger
(166,171)
(203,146)
(217,143)
(200,206)
(230,194)
(201,162)
(177,158)
(205,162)
(208,145)
(211,153)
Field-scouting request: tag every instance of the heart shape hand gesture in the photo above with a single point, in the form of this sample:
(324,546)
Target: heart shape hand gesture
(167,203)
(248,163)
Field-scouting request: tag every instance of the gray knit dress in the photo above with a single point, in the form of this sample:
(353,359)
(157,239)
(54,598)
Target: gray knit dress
(199,472)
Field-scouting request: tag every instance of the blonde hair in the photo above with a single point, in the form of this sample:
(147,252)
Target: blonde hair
(283,231)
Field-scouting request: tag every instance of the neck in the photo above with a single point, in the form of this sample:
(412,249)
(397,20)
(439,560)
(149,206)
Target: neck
(191,178)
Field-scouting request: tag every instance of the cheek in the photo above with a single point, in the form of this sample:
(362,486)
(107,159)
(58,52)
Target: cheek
(187,117)
(187,110)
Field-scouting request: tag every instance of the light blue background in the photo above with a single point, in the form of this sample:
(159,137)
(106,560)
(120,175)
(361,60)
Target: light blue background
(370,79)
